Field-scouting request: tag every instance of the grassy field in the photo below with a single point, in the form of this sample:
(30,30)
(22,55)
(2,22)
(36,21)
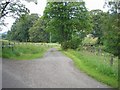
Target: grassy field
(95,66)
(26,51)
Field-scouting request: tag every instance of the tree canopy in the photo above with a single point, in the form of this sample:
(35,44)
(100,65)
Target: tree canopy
(11,8)
(66,18)
(19,30)
(37,32)
(112,28)
(98,17)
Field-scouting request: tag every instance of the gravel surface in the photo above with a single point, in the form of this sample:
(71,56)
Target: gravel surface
(54,70)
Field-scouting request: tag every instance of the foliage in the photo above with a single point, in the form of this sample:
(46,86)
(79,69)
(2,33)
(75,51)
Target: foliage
(37,32)
(111,39)
(66,18)
(11,8)
(74,43)
(54,38)
(19,29)
(90,40)
(97,20)
(112,29)
(71,44)
(4,36)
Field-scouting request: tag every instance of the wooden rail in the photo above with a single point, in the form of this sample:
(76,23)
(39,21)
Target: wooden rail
(8,45)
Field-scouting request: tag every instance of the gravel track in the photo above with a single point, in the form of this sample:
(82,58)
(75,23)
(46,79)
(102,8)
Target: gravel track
(54,70)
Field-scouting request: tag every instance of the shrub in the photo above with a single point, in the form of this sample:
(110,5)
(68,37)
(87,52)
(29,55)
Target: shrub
(74,43)
(64,45)
(71,44)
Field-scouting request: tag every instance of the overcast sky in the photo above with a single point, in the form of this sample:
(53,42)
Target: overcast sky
(39,8)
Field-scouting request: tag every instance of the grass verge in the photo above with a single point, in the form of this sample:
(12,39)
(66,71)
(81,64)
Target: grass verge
(24,52)
(95,67)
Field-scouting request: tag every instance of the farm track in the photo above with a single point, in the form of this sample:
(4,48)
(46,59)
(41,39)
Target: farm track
(54,70)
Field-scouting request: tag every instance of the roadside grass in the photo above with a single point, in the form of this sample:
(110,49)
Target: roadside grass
(25,50)
(95,66)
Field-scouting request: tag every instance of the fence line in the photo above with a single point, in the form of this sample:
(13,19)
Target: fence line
(100,52)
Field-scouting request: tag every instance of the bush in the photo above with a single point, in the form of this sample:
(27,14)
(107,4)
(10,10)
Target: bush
(80,47)
(71,44)
(64,45)
(74,43)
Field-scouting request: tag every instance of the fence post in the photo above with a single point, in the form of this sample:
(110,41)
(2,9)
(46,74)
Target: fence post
(9,45)
(2,45)
(111,60)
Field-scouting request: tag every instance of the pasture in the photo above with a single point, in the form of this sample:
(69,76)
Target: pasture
(24,50)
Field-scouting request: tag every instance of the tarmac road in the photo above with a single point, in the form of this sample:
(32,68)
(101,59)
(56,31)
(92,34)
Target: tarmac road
(54,70)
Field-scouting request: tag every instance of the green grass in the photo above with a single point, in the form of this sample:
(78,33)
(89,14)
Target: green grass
(24,51)
(95,66)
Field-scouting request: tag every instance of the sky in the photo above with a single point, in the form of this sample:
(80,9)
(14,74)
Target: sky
(90,4)
(39,8)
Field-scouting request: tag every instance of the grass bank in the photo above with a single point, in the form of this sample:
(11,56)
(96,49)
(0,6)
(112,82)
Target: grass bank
(95,66)
(24,51)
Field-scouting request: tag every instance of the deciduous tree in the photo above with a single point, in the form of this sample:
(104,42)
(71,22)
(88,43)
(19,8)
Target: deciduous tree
(112,37)
(66,18)
(11,8)
(19,30)
(37,32)
(98,17)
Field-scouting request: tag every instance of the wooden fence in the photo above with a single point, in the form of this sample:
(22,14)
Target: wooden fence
(99,51)
(8,45)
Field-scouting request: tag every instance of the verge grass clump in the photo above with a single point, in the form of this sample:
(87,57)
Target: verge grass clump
(95,66)
(24,52)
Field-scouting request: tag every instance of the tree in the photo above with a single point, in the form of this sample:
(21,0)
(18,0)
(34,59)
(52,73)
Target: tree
(98,17)
(112,37)
(67,18)
(11,8)
(37,32)
(4,35)
(19,29)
